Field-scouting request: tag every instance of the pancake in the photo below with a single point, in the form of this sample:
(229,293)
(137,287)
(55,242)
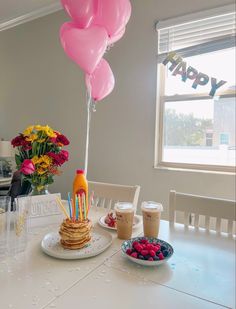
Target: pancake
(75,235)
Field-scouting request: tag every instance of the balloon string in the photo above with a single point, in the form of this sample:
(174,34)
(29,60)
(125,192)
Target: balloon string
(90,107)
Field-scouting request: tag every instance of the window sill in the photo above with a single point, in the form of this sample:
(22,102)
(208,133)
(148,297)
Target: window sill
(192,170)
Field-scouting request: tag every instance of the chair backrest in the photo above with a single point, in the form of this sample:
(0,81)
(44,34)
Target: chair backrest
(106,194)
(206,207)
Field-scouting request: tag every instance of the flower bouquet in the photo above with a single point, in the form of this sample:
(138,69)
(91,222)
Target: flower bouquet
(39,155)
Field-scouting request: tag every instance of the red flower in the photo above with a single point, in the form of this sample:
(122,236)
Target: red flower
(64,155)
(62,139)
(59,158)
(19,141)
(27,167)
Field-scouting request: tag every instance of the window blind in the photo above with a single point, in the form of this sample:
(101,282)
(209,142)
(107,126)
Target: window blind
(198,36)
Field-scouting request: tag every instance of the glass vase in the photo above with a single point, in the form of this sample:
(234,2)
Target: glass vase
(39,191)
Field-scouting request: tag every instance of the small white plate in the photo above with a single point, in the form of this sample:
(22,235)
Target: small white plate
(101,221)
(100,241)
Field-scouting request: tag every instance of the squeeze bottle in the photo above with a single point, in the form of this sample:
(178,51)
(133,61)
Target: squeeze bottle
(80,185)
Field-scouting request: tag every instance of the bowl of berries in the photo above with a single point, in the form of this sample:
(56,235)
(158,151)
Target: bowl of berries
(147,251)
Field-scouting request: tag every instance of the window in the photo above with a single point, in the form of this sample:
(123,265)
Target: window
(195,130)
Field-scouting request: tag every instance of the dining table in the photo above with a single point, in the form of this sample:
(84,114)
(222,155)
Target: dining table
(200,274)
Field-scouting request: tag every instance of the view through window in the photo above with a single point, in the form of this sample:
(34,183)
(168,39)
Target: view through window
(201,131)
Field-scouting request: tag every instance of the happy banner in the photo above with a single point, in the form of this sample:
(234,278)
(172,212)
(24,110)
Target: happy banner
(179,67)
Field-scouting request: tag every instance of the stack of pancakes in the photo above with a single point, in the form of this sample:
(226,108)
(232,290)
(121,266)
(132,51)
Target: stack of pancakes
(75,235)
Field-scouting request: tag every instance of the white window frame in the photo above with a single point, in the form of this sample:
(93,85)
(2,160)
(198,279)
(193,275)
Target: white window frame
(161,99)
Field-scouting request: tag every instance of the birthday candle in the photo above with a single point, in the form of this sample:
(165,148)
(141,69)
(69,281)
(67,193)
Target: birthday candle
(69,203)
(84,204)
(80,208)
(77,207)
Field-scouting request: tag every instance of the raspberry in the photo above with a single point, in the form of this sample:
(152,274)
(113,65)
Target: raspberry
(143,241)
(135,243)
(134,255)
(152,253)
(128,251)
(144,252)
(161,256)
(156,248)
(149,246)
(150,259)
(138,248)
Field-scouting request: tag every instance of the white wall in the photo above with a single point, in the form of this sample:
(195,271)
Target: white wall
(39,84)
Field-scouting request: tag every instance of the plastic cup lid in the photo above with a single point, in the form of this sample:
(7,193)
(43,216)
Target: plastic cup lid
(152,206)
(123,206)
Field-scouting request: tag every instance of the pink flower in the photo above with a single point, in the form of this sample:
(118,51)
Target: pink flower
(27,167)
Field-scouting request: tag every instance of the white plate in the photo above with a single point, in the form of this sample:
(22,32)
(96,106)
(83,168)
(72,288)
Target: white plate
(100,241)
(101,221)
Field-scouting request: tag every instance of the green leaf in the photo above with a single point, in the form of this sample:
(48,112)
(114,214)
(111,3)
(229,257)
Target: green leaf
(18,160)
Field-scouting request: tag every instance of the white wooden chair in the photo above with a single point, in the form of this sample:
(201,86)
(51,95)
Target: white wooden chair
(201,206)
(106,194)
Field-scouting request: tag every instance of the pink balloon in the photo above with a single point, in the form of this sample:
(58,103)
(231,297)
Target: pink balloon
(80,11)
(101,82)
(113,15)
(117,37)
(84,46)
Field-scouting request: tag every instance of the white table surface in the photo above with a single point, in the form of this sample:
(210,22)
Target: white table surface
(199,275)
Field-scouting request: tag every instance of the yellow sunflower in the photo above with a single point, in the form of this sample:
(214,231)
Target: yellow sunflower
(28,131)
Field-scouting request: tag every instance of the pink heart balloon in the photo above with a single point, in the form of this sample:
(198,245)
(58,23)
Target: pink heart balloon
(81,11)
(113,15)
(101,82)
(84,46)
(117,37)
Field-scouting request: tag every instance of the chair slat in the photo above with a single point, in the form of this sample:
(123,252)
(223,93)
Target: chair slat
(218,224)
(230,227)
(207,222)
(96,201)
(102,202)
(196,220)
(186,218)
(109,204)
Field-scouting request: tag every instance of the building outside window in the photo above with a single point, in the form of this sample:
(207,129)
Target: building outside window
(195,130)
